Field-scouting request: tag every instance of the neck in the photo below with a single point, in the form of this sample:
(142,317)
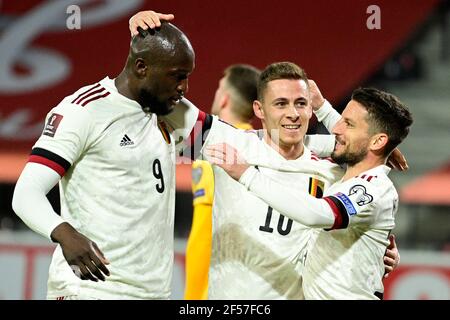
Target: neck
(226,115)
(123,85)
(362,166)
(289,152)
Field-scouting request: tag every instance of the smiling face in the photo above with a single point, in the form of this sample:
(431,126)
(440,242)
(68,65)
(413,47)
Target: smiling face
(285,111)
(352,135)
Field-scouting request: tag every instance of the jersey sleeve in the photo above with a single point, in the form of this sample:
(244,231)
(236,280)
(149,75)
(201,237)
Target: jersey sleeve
(223,132)
(182,119)
(320,144)
(65,136)
(328,116)
(202,183)
(292,203)
(323,145)
(356,202)
(30,202)
(190,127)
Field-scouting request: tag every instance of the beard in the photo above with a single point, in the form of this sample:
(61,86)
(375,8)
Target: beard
(348,157)
(152,104)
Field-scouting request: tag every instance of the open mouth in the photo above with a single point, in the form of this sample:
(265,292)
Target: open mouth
(292,127)
(174,100)
(338,144)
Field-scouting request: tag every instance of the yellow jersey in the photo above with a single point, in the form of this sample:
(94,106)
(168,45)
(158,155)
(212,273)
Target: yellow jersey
(198,250)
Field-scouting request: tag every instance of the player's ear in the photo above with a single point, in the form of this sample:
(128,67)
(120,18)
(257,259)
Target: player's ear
(140,68)
(378,142)
(224,100)
(258,109)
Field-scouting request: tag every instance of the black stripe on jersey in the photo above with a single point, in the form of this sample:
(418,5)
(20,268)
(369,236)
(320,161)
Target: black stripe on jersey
(207,124)
(223,121)
(51,156)
(341,211)
(379,295)
(200,139)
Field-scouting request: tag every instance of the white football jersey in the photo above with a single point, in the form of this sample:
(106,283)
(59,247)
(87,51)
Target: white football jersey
(256,252)
(347,263)
(117,188)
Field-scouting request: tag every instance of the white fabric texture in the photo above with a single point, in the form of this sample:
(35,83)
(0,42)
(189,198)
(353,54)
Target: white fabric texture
(30,202)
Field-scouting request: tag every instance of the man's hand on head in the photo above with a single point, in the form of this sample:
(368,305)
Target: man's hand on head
(147,19)
(397,160)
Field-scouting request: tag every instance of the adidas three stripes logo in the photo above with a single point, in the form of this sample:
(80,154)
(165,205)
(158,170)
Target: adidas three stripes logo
(126,141)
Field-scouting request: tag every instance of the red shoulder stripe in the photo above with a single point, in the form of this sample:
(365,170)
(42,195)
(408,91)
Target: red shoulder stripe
(95,98)
(86,92)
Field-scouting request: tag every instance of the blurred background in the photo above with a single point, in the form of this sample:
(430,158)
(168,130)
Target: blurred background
(401,46)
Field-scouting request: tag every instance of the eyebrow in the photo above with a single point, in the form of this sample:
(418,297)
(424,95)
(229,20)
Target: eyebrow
(286,99)
(349,120)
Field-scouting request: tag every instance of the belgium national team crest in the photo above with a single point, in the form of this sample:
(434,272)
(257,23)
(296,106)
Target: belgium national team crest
(316,187)
(165,133)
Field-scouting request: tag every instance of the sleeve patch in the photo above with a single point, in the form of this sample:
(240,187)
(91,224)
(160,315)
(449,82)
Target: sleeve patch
(197,174)
(347,203)
(199,193)
(52,124)
(360,192)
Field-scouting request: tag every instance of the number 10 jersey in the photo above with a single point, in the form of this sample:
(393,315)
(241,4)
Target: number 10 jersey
(257,253)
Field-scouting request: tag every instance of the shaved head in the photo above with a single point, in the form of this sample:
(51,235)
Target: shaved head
(157,68)
(160,46)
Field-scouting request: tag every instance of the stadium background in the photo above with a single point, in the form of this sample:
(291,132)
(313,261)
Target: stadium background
(41,61)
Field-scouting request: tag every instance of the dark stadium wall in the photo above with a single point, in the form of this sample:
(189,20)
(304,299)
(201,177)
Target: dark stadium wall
(330,39)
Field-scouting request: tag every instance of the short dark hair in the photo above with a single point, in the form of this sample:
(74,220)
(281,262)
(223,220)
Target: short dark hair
(386,114)
(242,79)
(280,70)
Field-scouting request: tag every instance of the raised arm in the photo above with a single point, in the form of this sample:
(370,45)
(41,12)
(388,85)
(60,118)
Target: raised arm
(323,110)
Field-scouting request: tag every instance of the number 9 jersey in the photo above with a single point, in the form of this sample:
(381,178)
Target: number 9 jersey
(117,188)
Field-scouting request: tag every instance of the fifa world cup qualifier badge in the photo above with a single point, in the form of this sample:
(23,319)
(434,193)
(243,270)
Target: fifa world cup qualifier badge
(52,124)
